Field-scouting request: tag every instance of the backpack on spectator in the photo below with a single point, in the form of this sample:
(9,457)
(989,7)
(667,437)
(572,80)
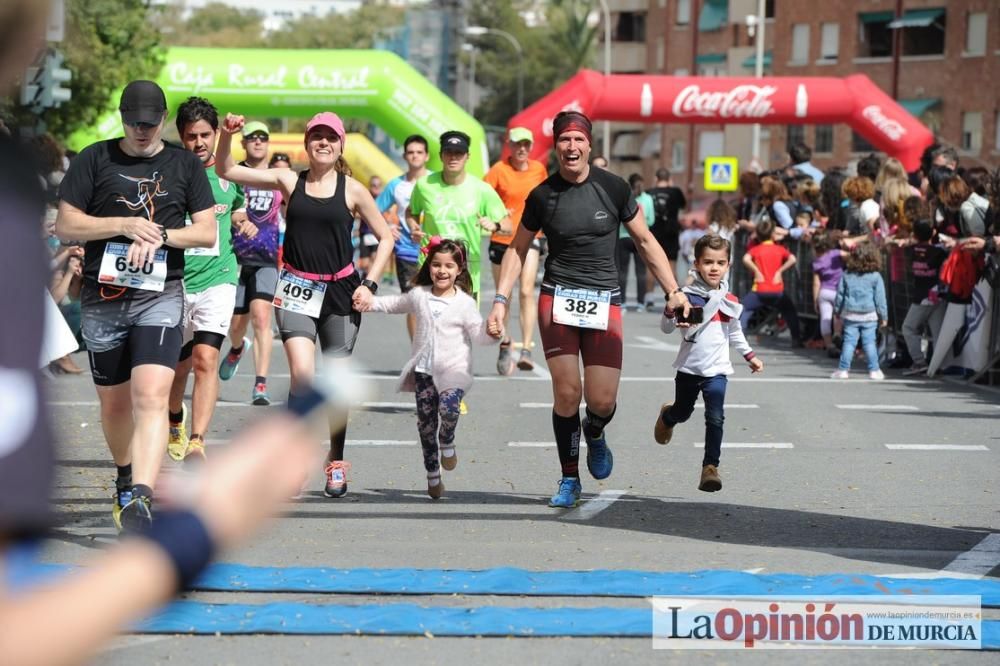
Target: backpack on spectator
(662,206)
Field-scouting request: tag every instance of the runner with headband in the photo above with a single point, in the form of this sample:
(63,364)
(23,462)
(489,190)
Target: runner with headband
(579,209)
(319,292)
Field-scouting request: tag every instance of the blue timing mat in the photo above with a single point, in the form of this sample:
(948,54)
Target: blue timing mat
(189,617)
(522,582)
(600,583)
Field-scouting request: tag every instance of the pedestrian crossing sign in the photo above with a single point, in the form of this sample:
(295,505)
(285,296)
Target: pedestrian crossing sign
(721,174)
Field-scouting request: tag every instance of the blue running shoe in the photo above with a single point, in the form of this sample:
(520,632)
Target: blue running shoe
(568,494)
(600,461)
(231,362)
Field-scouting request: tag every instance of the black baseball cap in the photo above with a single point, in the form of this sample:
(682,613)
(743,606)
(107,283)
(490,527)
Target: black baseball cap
(142,102)
(455,141)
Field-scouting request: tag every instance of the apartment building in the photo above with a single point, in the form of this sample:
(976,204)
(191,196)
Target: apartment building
(938,58)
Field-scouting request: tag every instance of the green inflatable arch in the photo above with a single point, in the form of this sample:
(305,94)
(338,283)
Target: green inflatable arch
(273,83)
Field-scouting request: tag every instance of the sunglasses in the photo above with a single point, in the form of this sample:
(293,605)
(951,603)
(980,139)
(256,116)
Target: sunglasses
(261,138)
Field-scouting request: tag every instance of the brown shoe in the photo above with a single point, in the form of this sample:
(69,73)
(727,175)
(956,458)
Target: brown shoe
(661,431)
(710,479)
(449,462)
(67,365)
(435,491)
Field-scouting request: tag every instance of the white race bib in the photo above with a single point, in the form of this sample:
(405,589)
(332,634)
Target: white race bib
(368,240)
(115,269)
(582,308)
(203,251)
(298,294)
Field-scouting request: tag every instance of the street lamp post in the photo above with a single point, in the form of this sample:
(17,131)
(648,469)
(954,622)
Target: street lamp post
(607,73)
(755,26)
(479,31)
(471,97)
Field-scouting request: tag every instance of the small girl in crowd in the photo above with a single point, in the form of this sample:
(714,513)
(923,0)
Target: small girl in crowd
(703,361)
(861,303)
(827,268)
(440,368)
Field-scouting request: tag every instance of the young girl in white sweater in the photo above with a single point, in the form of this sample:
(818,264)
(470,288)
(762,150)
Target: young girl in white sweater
(703,361)
(440,367)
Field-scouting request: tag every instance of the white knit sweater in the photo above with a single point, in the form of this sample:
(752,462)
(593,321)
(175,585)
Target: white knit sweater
(708,355)
(449,338)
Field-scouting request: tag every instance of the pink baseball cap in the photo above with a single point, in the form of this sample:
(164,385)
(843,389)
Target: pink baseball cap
(328,119)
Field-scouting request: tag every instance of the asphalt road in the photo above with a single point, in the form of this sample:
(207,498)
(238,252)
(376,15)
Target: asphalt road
(815,481)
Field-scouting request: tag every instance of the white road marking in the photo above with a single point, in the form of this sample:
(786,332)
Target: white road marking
(526,377)
(980,560)
(893,408)
(651,343)
(350,442)
(701,405)
(539,445)
(936,447)
(548,405)
(536,405)
(541,372)
(390,405)
(594,506)
(752,445)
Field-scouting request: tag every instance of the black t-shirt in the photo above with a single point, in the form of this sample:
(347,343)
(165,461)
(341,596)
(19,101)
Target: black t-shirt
(103,181)
(26,452)
(318,240)
(927,261)
(580,221)
(667,203)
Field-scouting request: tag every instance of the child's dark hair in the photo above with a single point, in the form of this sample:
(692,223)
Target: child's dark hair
(711,242)
(456,249)
(194,109)
(923,230)
(764,230)
(864,258)
(825,241)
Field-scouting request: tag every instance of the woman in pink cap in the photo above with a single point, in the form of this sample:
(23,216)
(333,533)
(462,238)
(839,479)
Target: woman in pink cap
(319,291)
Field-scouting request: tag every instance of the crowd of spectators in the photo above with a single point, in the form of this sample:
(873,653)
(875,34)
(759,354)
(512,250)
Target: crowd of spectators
(920,224)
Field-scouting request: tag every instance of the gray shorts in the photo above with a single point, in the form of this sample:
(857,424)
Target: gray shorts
(337,333)
(105,324)
(256,283)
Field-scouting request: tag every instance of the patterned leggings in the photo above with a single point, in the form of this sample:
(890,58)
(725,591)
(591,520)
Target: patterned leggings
(432,406)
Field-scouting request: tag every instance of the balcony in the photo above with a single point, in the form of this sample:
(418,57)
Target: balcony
(626,57)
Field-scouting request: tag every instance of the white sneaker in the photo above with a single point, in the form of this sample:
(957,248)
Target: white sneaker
(840,374)
(877,375)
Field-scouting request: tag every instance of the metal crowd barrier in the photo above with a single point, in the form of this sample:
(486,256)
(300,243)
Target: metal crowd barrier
(897,274)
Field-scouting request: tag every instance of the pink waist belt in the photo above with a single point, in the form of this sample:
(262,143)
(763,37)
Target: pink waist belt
(322,277)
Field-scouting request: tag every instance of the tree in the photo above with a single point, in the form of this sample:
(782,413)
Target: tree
(553,52)
(351,30)
(216,24)
(108,43)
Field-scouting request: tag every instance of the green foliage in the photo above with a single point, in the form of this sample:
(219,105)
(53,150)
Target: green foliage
(216,24)
(353,30)
(108,43)
(553,52)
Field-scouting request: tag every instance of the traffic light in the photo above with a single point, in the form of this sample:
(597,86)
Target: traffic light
(53,76)
(43,87)
(29,86)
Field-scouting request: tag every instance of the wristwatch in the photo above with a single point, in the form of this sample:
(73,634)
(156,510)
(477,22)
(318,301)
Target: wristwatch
(163,235)
(371,284)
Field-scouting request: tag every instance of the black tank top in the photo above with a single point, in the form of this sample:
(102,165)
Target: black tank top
(318,230)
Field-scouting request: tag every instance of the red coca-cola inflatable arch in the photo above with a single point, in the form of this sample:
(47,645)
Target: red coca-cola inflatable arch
(787,100)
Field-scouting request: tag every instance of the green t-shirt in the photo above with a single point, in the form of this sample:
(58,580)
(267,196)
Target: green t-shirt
(453,211)
(206,267)
(645,201)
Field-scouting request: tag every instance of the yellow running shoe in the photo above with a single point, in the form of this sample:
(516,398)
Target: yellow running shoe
(463,409)
(177,444)
(195,449)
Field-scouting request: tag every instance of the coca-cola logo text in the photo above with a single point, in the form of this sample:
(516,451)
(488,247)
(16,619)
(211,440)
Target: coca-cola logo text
(891,128)
(746,101)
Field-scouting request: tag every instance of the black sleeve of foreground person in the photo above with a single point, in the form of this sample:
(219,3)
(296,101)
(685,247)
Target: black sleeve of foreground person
(26,457)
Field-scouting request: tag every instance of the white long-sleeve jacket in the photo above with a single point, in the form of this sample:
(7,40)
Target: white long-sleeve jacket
(707,354)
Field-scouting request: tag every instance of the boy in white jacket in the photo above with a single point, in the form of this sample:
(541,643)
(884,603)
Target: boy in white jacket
(703,361)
